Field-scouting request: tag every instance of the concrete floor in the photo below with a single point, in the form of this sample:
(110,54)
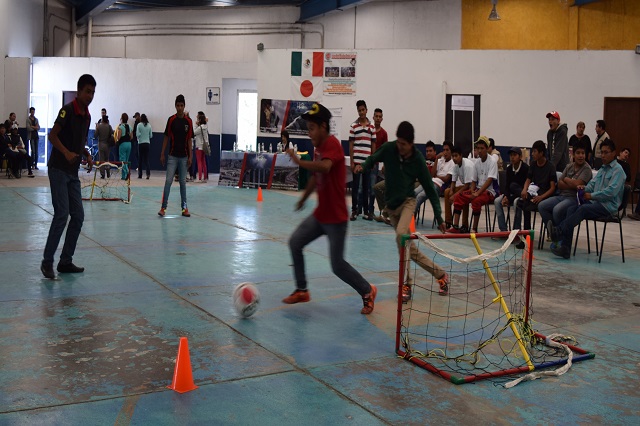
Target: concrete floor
(99,347)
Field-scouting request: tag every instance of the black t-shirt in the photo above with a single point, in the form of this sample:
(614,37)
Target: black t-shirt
(585,141)
(180,131)
(542,176)
(74,123)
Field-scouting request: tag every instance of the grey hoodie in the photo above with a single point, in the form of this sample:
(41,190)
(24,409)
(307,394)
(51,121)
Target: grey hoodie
(558,146)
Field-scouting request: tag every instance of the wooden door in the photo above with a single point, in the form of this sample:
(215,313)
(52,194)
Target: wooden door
(622,116)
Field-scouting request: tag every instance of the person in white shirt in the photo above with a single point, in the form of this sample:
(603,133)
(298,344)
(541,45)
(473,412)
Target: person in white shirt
(483,189)
(461,178)
(443,168)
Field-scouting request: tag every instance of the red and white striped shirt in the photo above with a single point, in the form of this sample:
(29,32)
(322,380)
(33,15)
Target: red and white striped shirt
(363,137)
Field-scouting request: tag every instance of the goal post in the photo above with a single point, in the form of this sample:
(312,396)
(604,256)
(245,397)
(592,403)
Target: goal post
(104,182)
(483,328)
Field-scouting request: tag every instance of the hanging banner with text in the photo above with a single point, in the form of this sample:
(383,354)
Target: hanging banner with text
(340,73)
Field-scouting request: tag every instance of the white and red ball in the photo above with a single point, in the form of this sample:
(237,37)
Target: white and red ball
(246,299)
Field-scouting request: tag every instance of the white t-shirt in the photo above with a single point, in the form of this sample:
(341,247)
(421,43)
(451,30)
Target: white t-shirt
(464,173)
(484,170)
(444,168)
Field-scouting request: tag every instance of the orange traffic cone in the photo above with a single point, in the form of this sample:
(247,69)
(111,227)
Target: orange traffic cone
(182,375)
(259,194)
(412,225)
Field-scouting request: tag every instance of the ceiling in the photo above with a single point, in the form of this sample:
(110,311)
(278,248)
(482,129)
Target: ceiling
(308,8)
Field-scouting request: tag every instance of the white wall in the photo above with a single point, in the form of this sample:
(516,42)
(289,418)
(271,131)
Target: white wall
(145,85)
(516,87)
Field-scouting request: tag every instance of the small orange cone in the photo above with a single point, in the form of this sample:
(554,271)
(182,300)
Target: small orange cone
(182,375)
(412,225)
(259,194)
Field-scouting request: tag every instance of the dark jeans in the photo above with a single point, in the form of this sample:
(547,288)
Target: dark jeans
(355,185)
(34,151)
(66,198)
(575,215)
(527,206)
(174,164)
(143,149)
(309,230)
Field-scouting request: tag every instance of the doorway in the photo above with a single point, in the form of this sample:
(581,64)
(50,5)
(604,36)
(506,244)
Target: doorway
(247,130)
(622,116)
(462,121)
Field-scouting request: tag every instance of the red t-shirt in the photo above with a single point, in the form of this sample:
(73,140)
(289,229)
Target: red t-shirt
(332,204)
(381,137)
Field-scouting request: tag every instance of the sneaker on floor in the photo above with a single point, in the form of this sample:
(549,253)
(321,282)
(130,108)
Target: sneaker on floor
(47,270)
(30,175)
(464,230)
(367,216)
(562,251)
(453,230)
(406,293)
(162,211)
(444,285)
(69,268)
(369,301)
(298,296)
(354,216)
(185,213)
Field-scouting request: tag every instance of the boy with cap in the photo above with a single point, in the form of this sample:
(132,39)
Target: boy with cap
(557,142)
(178,134)
(403,164)
(516,175)
(484,187)
(330,217)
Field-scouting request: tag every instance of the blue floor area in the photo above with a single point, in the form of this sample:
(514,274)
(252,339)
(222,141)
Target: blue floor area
(100,347)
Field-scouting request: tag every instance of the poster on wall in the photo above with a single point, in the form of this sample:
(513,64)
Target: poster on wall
(285,173)
(339,74)
(257,170)
(277,115)
(230,167)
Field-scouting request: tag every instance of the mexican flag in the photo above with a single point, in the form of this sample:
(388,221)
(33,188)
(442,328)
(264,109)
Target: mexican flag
(307,64)
(306,75)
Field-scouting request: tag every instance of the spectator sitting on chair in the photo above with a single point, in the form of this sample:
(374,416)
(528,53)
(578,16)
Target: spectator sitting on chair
(441,174)
(574,175)
(17,145)
(623,160)
(461,178)
(602,198)
(516,176)
(484,187)
(6,149)
(540,184)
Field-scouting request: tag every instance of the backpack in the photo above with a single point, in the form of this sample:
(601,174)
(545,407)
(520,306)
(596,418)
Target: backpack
(127,135)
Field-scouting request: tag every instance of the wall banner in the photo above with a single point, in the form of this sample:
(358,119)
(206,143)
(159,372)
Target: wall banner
(340,73)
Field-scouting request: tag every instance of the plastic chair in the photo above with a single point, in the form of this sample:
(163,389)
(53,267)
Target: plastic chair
(616,218)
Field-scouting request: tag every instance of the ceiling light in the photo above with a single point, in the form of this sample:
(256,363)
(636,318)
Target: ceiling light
(493,16)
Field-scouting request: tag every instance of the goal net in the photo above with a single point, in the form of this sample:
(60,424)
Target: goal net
(104,182)
(483,328)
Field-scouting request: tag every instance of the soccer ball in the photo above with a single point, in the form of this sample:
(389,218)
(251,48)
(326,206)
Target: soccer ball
(246,299)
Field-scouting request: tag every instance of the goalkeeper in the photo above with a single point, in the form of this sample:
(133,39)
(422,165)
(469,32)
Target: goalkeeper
(403,164)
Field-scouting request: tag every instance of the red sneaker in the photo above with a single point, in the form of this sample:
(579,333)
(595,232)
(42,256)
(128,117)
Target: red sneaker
(185,213)
(444,285)
(406,293)
(297,296)
(368,302)
(453,230)
(161,212)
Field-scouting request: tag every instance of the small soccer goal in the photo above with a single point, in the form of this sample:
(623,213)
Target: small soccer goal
(483,328)
(105,182)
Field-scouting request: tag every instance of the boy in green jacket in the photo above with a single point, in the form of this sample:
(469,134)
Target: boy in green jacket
(403,164)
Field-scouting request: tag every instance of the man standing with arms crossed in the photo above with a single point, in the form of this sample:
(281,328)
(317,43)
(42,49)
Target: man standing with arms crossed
(68,137)
(33,125)
(177,135)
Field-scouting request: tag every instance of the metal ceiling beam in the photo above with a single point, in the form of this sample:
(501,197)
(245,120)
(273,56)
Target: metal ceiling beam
(90,8)
(313,8)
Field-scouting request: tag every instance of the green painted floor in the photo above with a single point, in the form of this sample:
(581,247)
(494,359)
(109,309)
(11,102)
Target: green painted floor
(100,347)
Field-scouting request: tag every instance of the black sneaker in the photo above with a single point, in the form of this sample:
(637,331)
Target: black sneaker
(70,268)
(562,251)
(47,270)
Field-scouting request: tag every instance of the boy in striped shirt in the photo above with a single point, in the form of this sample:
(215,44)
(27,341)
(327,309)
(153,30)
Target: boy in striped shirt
(362,143)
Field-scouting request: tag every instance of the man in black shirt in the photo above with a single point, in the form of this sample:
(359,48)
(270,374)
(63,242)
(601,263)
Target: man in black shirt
(177,135)
(540,184)
(68,137)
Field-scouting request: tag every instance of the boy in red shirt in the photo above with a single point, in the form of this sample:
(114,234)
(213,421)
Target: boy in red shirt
(330,217)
